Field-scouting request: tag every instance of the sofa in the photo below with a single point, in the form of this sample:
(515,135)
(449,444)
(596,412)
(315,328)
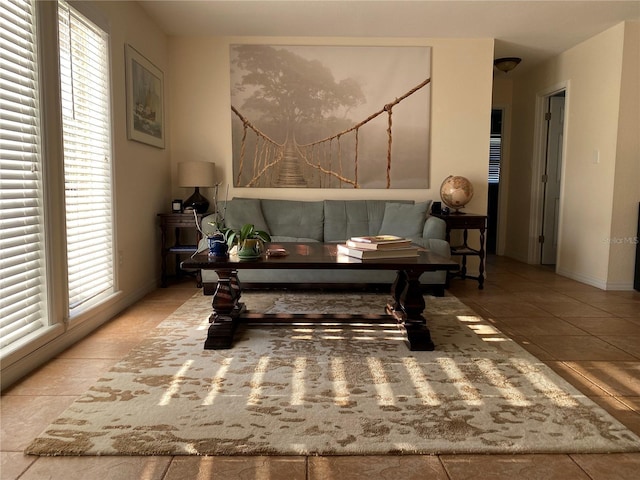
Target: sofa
(331,221)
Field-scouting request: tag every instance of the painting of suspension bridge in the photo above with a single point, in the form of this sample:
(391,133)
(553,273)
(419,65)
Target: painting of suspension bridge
(330,116)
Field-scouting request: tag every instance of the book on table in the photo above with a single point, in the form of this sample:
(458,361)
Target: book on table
(379,239)
(364,254)
(378,246)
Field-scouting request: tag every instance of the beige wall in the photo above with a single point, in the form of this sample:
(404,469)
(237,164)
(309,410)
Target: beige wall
(592,73)
(460,116)
(623,235)
(502,89)
(142,172)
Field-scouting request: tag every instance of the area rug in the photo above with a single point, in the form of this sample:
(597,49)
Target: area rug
(331,390)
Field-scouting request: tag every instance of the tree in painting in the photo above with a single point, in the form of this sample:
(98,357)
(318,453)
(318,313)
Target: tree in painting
(293,121)
(286,90)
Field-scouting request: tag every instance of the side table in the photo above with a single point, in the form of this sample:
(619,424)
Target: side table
(466,222)
(177,222)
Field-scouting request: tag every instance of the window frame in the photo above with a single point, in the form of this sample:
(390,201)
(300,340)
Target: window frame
(79,314)
(61,330)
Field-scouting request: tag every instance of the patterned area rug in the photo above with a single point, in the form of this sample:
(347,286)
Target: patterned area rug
(331,390)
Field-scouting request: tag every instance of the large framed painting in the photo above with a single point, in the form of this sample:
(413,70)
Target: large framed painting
(145,99)
(330,116)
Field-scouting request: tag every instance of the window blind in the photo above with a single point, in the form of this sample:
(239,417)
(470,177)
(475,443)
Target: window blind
(22,272)
(84,75)
(495,154)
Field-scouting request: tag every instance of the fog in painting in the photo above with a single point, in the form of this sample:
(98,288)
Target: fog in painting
(330,116)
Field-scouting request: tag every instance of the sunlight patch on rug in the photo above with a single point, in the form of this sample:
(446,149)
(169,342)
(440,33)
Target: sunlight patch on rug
(331,390)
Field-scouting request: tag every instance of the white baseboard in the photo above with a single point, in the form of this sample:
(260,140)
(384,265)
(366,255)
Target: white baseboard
(597,282)
(594,282)
(15,371)
(620,286)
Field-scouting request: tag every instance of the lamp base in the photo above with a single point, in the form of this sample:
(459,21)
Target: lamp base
(196,201)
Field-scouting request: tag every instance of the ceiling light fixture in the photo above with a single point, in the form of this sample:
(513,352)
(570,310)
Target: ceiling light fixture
(506,64)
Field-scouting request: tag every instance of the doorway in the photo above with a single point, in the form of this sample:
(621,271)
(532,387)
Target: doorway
(495,159)
(551,177)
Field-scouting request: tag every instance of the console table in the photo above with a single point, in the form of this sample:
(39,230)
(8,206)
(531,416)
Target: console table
(466,222)
(177,222)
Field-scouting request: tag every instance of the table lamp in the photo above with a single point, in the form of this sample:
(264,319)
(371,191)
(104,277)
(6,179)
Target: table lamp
(197,174)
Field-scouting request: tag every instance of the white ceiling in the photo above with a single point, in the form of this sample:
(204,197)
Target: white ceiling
(532,30)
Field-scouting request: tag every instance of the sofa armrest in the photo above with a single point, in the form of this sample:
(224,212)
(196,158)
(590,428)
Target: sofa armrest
(439,247)
(434,227)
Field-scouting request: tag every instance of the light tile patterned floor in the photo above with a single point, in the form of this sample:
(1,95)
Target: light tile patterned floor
(589,336)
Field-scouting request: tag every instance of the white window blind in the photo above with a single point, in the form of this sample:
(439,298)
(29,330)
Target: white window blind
(495,154)
(84,75)
(22,275)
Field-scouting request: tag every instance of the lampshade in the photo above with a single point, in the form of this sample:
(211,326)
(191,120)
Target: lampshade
(196,174)
(506,64)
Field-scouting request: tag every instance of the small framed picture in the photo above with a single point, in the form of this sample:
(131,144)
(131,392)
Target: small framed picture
(145,99)
(176,206)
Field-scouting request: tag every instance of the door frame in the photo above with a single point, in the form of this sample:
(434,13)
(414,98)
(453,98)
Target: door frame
(503,186)
(538,169)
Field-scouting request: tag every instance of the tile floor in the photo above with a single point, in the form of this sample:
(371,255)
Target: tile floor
(589,336)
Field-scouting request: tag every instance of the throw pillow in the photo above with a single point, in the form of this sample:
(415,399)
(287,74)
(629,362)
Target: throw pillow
(404,220)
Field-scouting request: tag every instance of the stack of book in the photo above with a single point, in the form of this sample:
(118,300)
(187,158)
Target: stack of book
(378,246)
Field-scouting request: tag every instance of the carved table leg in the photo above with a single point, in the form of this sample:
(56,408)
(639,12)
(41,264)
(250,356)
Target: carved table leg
(397,290)
(235,284)
(226,311)
(408,308)
(463,269)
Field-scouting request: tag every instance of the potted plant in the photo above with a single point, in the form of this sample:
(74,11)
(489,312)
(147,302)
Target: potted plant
(218,241)
(249,240)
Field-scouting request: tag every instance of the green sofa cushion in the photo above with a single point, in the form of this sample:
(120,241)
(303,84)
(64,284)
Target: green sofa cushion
(241,211)
(404,220)
(344,219)
(292,218)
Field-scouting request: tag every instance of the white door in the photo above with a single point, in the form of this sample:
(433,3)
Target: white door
(551,180)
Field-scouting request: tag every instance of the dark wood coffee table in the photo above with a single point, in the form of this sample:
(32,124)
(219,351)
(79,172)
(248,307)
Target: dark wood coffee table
(406,307)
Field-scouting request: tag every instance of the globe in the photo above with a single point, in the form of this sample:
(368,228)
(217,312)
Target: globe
(456,192)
